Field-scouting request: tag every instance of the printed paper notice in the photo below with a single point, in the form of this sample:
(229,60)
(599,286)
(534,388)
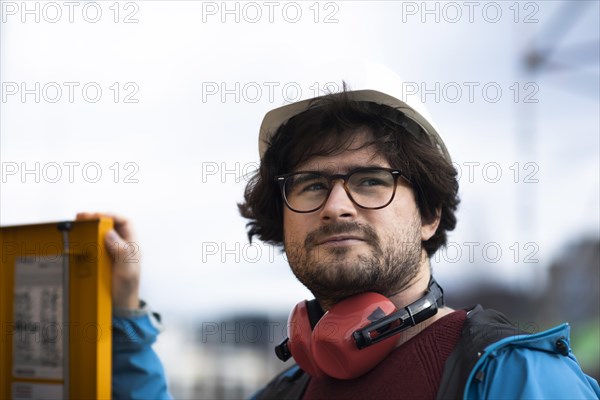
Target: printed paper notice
(37,339)
(37,391)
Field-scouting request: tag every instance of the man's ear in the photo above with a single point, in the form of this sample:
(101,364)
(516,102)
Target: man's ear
(429,229)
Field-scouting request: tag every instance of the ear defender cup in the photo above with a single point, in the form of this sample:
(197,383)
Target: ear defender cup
(300,344)
(329,348)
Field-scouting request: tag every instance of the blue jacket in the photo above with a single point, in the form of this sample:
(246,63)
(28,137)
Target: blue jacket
(539,366)
(137,370)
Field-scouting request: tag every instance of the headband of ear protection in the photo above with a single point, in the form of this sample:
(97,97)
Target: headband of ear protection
(355,335)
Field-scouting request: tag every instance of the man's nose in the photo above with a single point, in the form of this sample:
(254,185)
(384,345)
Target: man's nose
(338,205)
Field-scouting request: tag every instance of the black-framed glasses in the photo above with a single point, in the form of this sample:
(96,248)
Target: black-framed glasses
(369,188)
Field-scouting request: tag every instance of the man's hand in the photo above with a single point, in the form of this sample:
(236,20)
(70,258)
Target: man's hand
(125,255)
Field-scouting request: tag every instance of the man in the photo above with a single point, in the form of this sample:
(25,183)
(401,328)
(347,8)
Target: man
(360,191)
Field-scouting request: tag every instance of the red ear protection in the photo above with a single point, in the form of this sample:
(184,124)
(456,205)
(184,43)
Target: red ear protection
(329,348)
(355,335)
(334,348)
(300,339)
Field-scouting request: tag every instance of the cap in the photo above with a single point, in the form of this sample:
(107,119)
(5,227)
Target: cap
(279,116)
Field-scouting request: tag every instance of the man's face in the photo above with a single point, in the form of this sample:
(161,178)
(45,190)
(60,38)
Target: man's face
(342,249)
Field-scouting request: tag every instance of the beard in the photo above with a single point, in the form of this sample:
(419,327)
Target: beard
(334,273)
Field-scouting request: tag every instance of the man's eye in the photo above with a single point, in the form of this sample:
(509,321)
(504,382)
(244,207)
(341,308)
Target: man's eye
(313,187)
(371,182)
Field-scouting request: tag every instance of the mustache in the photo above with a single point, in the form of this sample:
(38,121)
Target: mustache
(367,233)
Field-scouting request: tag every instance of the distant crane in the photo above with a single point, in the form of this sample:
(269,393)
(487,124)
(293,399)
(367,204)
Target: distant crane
(546,55)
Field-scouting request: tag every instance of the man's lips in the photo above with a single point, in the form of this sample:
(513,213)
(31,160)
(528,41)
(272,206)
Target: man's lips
(339,239)
(342,234)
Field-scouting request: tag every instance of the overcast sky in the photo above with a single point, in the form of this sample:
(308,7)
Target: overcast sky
(164,101)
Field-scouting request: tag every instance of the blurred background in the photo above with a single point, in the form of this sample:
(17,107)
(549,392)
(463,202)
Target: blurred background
(151,109)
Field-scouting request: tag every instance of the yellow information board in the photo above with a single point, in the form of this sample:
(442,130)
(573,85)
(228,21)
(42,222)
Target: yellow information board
(55,310)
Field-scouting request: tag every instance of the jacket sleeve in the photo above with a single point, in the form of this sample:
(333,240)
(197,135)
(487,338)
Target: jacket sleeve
(532,369)
(137,370)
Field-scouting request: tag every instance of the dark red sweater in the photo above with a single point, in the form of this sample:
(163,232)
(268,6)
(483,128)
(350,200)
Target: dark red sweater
(412,371)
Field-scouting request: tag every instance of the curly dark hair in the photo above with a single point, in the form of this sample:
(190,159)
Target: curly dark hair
(327,128)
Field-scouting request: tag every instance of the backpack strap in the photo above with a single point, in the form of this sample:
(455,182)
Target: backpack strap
(481,328)
(288,385)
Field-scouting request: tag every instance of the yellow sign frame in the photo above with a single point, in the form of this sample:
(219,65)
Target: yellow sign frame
(90,306)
